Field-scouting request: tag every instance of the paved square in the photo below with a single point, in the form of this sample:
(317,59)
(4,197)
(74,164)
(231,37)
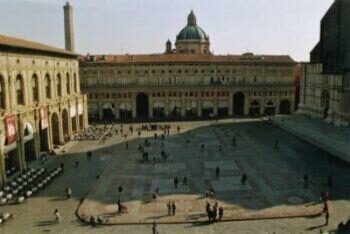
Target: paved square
(272,186)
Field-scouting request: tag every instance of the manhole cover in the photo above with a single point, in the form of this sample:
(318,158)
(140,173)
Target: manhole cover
(295,200)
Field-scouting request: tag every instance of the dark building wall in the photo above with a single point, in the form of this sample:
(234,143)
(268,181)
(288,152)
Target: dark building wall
(334,46)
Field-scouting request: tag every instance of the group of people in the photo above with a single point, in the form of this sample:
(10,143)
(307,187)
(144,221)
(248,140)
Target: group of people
(171,208)
(215,213)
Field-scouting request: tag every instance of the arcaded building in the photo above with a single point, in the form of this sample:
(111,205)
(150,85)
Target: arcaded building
(40,101)
(325,81)
(187,82)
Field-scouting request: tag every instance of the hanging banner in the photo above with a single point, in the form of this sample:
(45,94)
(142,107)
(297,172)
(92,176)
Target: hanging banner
(80,109)
(73,111)
(43,118)
(10,123)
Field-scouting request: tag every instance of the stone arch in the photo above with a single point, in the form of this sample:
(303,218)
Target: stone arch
(59,84)
(47,86)
(125,111)
(19,88)
(254,108)
(3,92)
(55,129)
(65,124)
(108,111)
(29,142)
(142,105)
(35,87)
(270,108)
(285,107)
(207,109)
(238,103)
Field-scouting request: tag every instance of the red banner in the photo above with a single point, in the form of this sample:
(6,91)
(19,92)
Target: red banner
(10,123)
(43,118)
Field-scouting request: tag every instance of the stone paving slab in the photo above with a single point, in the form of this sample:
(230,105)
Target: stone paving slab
(332,139)
(266,195)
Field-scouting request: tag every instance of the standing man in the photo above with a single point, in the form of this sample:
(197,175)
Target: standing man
(154,227)
(173,207)
(68,192)
(217,172)
(176,181)
(169,208)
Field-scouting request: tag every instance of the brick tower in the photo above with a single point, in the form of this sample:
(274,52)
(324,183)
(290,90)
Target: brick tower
(68,27)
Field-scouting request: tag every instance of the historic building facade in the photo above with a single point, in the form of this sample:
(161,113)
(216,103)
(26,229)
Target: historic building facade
(40,101)
(187,82)
(325,81)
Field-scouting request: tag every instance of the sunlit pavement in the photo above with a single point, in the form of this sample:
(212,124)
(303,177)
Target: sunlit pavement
(274,183)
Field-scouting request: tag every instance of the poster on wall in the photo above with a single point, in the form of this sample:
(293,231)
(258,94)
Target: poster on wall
(43,118)
(10,123)
(80,109)
(73,111)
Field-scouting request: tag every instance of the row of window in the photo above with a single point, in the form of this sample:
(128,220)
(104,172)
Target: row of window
(179,71)
(48,83)
(188,94)
(18,61)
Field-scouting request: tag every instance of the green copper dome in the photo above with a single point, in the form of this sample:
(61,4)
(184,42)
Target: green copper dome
(192,31)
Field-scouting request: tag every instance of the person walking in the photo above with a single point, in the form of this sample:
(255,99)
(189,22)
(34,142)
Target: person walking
(184,181)
(154,228)
(57,216)
(173,208)
(176,181)
(169,208)
(217,172)
(244,179)
(221,212)
(68,192)
(326,218)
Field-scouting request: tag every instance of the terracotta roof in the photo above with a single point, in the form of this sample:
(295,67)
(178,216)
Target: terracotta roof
(31,45)
(182,58)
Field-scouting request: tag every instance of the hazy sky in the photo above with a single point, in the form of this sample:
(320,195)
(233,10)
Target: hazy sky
(142,26)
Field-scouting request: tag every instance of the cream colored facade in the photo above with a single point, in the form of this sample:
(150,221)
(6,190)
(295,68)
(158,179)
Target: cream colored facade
(247,85)
(35,80)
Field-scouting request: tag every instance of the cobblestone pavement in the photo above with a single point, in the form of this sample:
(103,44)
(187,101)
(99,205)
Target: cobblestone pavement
(274,182)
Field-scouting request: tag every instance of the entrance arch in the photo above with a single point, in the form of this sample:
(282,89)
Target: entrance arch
(238,103)
(108,113)
(55,129)
(142,105)
(254,109)
(65,126)
(285,107)
(325,103)
(29,144)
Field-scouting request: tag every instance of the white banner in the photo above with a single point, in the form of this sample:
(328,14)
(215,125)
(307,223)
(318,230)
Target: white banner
(80,109)
(73,111)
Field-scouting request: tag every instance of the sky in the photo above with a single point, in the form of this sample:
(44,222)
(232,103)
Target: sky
(143,26)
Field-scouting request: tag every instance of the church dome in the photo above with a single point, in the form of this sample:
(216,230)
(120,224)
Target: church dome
(192,31)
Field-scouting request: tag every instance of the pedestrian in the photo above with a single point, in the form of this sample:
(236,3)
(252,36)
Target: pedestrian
(215,211)
(276,144)
(168,205)
(173,208)
(154,228)
(243,179)
(217,172)
(188,132)
(330,181)
(127,145)
(184,181)
(68,192)
(93,221)
(176,181)
(178,128)
(306,181)
(76,163)
(57,216)
(221,212)
(327,218)
(155,135)
(139,133)
(234,141)
(325,207)
(162,137)
(207,207)
(62,166)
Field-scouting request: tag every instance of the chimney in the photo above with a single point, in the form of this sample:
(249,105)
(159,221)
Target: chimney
(68,27)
